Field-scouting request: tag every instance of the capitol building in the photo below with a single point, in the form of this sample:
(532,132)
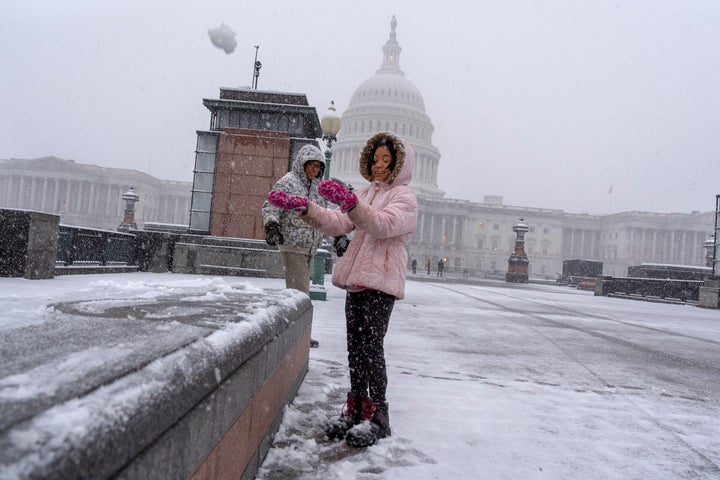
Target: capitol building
(388,101)
(477,238)
(471,238)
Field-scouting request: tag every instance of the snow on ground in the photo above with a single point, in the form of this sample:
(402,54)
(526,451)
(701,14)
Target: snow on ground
(486,381)
(494,388)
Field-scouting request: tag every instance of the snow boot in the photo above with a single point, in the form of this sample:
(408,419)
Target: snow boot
(375,425)
(350,415)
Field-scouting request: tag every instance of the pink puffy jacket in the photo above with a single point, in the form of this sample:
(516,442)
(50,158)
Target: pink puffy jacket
(384,218)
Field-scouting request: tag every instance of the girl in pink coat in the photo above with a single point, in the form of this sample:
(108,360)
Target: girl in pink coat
(372,271)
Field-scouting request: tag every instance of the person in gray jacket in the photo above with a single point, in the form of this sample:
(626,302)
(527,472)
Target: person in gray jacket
(296,240)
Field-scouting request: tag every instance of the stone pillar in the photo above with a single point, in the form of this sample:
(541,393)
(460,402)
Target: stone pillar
(28,244)
(66,202)
(696,245)
(253,138)
(4,187)
(44,193)
(128,222)
(518,262)
(459,229)
(709,246)
(54,207)
(33,194)
(92,198)
(420,227)
(709,294)
(16,191)
(654,250)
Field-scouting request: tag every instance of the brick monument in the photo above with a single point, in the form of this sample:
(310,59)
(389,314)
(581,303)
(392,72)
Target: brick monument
(253,138)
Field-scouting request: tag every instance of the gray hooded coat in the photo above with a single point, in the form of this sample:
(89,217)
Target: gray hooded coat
(299,237)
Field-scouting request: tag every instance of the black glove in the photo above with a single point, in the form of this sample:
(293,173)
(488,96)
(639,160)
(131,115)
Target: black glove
(341,244)
(346,185)
(272,234)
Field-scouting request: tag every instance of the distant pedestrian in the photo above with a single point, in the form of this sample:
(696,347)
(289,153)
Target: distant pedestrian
(428,264)
(414,266)
(440,266)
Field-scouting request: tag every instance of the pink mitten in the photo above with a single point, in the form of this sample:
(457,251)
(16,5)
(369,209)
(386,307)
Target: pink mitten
(337,194)
(287,202)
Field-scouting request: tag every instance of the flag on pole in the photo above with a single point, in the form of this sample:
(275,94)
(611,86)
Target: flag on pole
(610,191)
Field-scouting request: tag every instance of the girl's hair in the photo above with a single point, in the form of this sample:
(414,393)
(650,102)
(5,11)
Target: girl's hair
(383,142)
(367,155)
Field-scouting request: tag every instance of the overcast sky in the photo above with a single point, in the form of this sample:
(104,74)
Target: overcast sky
(548,103)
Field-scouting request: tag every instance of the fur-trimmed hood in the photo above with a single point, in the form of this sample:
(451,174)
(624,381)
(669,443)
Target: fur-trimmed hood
(401,173)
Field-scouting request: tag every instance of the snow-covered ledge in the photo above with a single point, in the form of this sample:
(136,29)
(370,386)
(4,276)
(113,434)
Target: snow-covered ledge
(185,383)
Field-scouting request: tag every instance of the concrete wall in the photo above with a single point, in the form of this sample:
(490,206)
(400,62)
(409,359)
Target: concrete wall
(228,434)
(225,256)
(188,397)
(28,244)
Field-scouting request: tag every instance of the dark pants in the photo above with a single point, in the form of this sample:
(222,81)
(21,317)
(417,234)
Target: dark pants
(367,314)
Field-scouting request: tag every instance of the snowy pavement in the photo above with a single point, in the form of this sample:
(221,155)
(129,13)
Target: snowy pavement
(491,381)
(519,382)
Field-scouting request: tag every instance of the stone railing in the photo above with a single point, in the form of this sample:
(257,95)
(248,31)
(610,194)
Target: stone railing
(34,245)
(87,250)
(650,288)
(206,255)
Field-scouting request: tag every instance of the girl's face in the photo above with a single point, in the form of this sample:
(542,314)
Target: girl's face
(381,164)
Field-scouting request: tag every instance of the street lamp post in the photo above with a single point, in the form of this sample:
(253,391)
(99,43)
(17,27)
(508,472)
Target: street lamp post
(716,237)
(330,124)
(709,293)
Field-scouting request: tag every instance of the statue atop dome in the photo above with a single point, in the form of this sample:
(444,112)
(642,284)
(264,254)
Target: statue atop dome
(391,50)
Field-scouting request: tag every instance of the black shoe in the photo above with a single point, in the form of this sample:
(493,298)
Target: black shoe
(314,343)
(337,428)
(350,415)
(369,432)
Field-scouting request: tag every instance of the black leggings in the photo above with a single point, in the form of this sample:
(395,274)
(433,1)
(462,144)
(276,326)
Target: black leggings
(367,314)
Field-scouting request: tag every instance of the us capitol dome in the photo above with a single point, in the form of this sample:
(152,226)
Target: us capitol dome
(387,101)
